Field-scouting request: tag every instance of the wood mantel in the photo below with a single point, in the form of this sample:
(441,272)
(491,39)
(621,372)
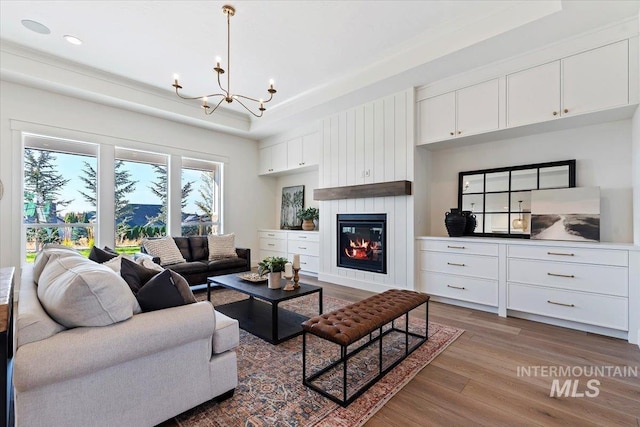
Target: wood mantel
(382,189)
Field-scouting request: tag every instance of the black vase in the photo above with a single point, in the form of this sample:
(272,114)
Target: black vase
(455,222)
(471,223)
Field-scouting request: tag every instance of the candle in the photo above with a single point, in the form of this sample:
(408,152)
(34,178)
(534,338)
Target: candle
(204,102)
(296,261)
(218,59)
(271,83)
(288,270)
(175,79)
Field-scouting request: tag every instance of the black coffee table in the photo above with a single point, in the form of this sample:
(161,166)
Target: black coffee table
(259,314)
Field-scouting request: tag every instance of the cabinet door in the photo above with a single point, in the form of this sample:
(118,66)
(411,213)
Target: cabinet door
(596,79)
(533,95)
(477,108)
(279,157)
(438,118)
(265,161)
(310,149)
(294,153)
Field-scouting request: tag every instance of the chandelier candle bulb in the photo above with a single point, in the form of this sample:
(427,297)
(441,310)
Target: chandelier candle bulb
(218,59)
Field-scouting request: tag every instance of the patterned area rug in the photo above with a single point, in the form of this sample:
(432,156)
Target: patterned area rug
(270,390)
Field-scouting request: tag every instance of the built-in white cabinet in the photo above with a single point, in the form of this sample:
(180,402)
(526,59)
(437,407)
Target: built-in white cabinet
(290,156)
(589,81)
(586,286)
(273,158)
(303,151)
(463,112)
(286,243)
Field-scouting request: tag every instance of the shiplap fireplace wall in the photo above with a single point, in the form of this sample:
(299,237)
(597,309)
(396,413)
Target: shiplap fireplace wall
(371,143)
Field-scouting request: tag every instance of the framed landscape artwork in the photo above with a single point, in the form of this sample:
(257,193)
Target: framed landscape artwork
(292,202)
(566,214)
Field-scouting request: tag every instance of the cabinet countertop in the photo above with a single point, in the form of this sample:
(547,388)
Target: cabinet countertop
(559,243)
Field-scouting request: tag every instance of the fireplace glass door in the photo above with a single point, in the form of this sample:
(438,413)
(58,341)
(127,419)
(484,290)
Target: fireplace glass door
(361,242)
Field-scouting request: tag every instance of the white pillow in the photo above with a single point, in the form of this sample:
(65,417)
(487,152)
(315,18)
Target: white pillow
(50,250)
(165,248)
(222,246)
(77,292)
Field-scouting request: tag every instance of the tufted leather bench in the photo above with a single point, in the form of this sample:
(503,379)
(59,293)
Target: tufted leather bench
(350,324)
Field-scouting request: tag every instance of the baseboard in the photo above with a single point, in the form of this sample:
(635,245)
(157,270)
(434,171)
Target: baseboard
(571,325)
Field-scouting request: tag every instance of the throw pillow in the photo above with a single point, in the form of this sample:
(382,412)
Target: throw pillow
(100,255)
(160,292)
(147,262)
(50,250)
(165,248)
(222,246)
(76,292)
(135,275)
(114,263)
(183,287)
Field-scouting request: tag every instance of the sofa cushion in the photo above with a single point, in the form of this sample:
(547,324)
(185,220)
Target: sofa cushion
(160,292)
(222,246)
(50,250)
(78,292)
(165,248)
(183,245)
(226,335)
(199,248)
(100,255)
(227,263)
(192,267)
(135,275)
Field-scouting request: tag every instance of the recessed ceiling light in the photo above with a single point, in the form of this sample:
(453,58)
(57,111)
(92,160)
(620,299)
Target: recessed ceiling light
(73,40)
(35,26)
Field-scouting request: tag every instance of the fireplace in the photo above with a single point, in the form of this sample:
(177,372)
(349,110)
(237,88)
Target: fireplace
(362,240)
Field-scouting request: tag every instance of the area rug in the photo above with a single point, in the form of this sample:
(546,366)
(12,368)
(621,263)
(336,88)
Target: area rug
(270,390)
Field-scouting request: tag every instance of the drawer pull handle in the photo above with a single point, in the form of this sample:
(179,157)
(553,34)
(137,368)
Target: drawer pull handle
(456,287)
(560,303)
(455,247)
(270,234)
(456,264)
(559,253)
(303,263)
(270,244)
(300,247)
(569,276)
(302,237)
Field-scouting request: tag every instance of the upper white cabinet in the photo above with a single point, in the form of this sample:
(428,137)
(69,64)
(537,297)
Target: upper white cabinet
(303,151)
(589,81)
(289,156)
(273,158)
(466,111)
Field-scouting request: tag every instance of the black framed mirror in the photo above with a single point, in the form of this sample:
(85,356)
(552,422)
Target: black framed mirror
(500,198)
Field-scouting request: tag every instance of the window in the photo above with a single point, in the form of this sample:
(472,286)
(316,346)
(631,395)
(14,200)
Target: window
(140,192)
(59,204)
(201,197)
(501,198)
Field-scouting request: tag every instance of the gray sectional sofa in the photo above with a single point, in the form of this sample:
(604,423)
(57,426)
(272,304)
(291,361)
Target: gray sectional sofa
(136,372)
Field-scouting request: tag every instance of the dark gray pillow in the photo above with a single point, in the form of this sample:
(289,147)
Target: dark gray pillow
(100,255)
(135,274)
(158,293)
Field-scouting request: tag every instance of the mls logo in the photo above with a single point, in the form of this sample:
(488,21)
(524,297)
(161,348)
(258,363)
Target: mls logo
(570,389)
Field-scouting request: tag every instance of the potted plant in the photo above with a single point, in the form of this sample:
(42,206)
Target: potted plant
(307,216)
(274,265)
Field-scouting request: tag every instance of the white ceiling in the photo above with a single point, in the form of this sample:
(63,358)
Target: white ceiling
(323,55)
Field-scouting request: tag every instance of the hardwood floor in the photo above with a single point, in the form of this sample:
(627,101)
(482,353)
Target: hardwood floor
(475,381)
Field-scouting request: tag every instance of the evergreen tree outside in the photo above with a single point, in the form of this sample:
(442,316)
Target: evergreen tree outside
(43,185)
(159,188)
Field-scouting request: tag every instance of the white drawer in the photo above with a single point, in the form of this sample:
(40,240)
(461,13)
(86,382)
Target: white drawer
(474,248)
(601,279)
(281,235)
(308,263)
(570,254)
(468,265)
(304,236)
(303,248)
(600,310)
(463,288)
(272,244)
(265,254)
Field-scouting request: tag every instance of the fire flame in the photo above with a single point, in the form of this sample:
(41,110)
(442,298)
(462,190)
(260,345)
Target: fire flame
(361,249)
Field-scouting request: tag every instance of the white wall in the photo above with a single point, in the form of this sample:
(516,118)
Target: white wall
(603,159)
(38,109)
(310,182)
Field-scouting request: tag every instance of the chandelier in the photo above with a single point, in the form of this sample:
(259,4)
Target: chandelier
(226,94)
